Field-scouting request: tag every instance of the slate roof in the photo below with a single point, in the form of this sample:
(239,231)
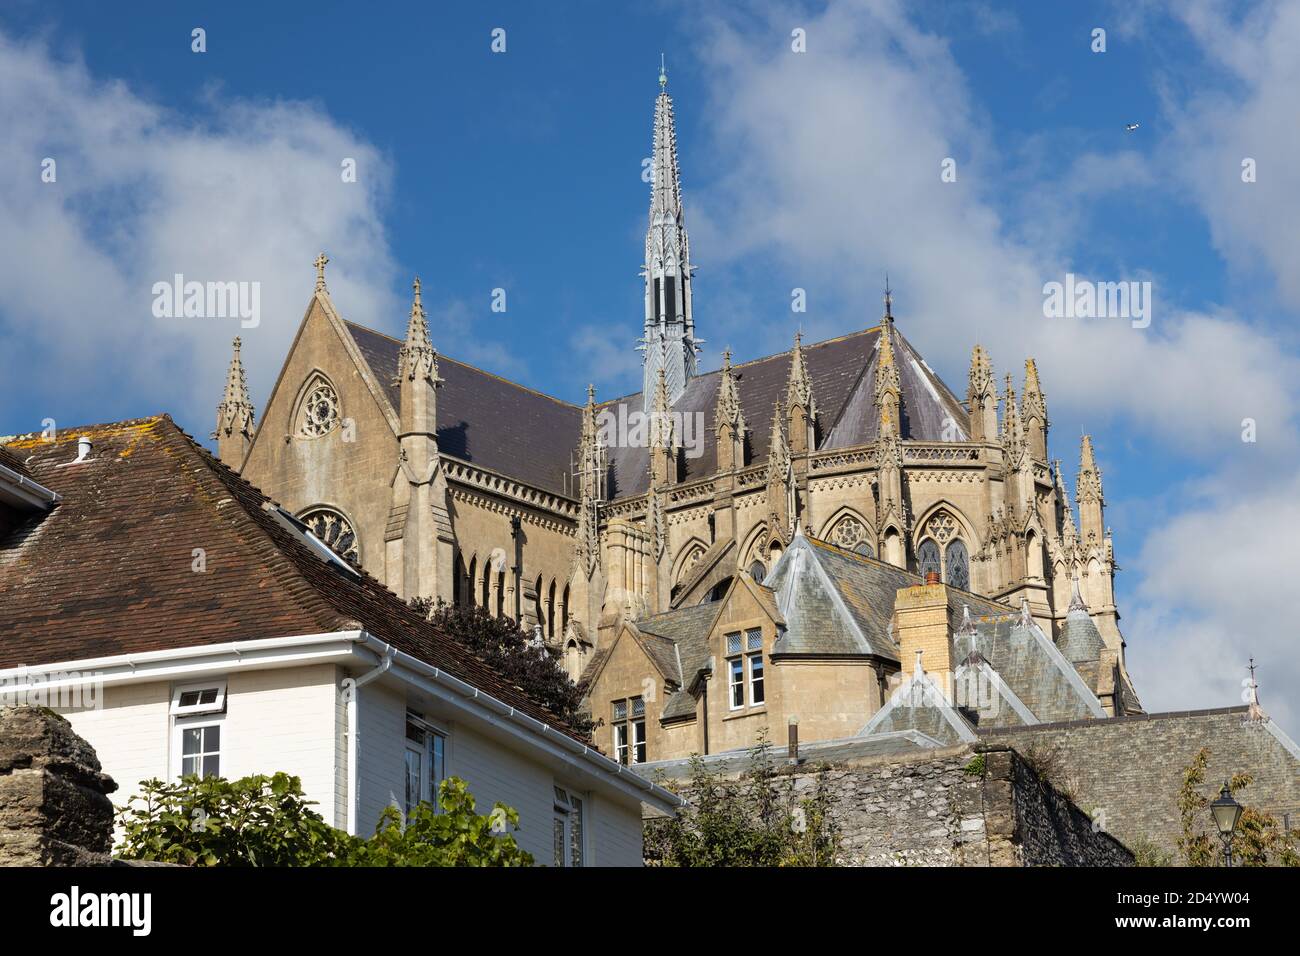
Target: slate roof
(843,373)
(1080,639)
(13,462)
(485,419)
(1034,669)
(109,570)
(867,588)
(687,631)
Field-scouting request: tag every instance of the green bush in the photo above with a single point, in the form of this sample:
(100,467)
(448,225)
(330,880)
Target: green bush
(267,821)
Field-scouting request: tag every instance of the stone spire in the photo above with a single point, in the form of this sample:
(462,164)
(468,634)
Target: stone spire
(1088,495)
(779,499)
(419,492)
(799,400)
(663,455)
(1034,413)
(234,432)
(591,474)
(669,341)
(1254,713)
(729,420)
(888,386)
(982,397)
(1069,533)
(1077,602)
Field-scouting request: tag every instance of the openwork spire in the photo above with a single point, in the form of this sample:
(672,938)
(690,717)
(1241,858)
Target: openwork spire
(1069,532)
(728,412)
(981,373)
(1076,596)
(1089,473)
(1035,402)
(417,357)
(778,456)
(591,482)
(235,412)
(669,341)
(799,390)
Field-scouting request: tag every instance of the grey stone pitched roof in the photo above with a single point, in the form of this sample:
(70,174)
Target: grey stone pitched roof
(486,420)
(687,631)
(843,386)
(919,705)
(1032,667)
(1080,639)
(840,602)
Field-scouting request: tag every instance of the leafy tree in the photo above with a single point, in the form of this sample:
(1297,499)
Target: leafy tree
(506,649)
(455,837)
(254,821)
(267,821)
(1258,840)
(755,819)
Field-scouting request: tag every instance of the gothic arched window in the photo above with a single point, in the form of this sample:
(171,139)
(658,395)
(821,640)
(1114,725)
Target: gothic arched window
(334,531)
(927,557)
(849,534)
(957,564)
(319,412)
(757,572)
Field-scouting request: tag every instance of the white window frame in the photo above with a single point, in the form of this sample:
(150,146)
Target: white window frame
(735,678)
(638,741)
(197,722)
(749,671)
(217,707)
(570,805)
(428,784)
(622,743)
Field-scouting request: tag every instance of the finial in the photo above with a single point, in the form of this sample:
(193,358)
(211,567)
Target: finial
(889,300)
(798,337)
(416,286)
(1255,713)
(1026,618)
(591,394)
(919,669)
(1076,596)
(663,72)
(321,260)
(236,343)
(726,357)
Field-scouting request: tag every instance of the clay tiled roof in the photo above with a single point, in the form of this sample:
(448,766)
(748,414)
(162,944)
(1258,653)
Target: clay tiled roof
(111,569)
(487,420)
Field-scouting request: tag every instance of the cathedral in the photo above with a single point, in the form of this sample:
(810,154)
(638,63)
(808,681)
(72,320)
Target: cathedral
(445,481)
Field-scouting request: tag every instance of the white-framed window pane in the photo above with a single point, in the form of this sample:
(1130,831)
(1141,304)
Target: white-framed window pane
(638,742)
(575,833)
(437,764)
(201,751)
(620,743)
(414,778)
(756,695)
(558,833)
(737,683)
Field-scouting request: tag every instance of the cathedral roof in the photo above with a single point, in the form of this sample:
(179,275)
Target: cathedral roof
(842,371)
(111,569)
(487,420)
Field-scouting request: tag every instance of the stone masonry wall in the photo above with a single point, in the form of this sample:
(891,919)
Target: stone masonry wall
(957,806)
(54,806)
(1126,772)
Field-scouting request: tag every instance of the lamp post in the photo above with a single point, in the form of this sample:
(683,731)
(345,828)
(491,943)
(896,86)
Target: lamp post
(1226,812)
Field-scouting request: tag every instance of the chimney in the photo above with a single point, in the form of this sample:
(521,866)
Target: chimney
(922,615)
(83,448)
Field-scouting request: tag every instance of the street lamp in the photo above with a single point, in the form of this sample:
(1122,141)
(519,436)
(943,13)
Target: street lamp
(1226,812)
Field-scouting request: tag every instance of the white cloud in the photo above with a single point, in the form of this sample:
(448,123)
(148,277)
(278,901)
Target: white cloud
(248,193)
(832,162)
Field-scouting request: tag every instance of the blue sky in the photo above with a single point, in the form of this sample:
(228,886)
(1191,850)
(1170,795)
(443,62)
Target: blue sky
(818,170)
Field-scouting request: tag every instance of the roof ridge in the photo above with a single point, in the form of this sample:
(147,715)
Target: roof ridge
(443,356)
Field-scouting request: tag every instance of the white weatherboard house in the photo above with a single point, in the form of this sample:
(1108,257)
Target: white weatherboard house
(208,632)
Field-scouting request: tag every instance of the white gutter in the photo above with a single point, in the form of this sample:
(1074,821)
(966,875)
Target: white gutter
(17,486)
(185,661)
(351,687)
(466,697)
